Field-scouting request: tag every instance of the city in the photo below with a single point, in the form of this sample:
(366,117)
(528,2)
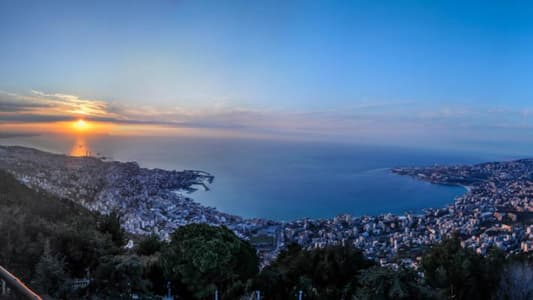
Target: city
(494,211)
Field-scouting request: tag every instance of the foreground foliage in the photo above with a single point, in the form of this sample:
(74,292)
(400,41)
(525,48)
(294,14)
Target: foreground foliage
(329,273)
(48,241)
(206,258)
(460,273)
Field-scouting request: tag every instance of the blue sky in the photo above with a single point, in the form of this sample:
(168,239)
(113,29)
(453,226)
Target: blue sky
(439,66)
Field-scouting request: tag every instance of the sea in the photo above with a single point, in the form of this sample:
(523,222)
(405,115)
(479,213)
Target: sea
(281,180)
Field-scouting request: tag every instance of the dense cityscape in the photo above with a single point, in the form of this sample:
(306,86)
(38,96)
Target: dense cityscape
(492,212)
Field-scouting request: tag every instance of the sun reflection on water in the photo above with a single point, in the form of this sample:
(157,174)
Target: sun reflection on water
(80,147)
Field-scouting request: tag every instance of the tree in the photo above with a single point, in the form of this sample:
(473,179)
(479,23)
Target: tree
(459,273)
(149,245)
(515,282)
(31,220)
(110,224)
(50,276)
(120,275)
(204,258)
(378,283)
(327,273)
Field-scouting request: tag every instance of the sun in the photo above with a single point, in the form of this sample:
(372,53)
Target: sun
(81,125)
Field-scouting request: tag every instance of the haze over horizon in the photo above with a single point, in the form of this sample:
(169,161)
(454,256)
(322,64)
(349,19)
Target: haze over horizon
(450,74)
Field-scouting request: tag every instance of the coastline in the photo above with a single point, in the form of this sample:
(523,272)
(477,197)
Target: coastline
(253,182)
(371,192)
(468,188)
(207,179)
(150,204)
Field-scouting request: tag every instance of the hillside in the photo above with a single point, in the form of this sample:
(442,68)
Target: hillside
(47,241)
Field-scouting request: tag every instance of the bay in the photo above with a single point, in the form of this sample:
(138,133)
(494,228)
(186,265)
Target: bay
(278,179)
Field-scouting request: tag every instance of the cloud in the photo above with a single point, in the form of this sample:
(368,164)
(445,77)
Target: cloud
(41,107)
(31,118)
(10,106)
(38,106)
(10,102)
(71,104)
(399,121)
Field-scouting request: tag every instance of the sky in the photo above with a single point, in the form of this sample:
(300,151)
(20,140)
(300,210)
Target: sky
(445,72)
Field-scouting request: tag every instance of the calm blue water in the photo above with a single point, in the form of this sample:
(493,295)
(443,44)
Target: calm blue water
(282,180)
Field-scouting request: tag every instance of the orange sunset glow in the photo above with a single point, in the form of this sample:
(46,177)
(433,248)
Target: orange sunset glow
(85,127)
(80,147)
(76,127)
(81,125)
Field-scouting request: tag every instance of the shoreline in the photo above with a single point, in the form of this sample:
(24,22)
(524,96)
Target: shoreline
(203,187)
(150,205)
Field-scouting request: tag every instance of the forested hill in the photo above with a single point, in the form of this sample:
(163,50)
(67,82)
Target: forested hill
(47,241)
